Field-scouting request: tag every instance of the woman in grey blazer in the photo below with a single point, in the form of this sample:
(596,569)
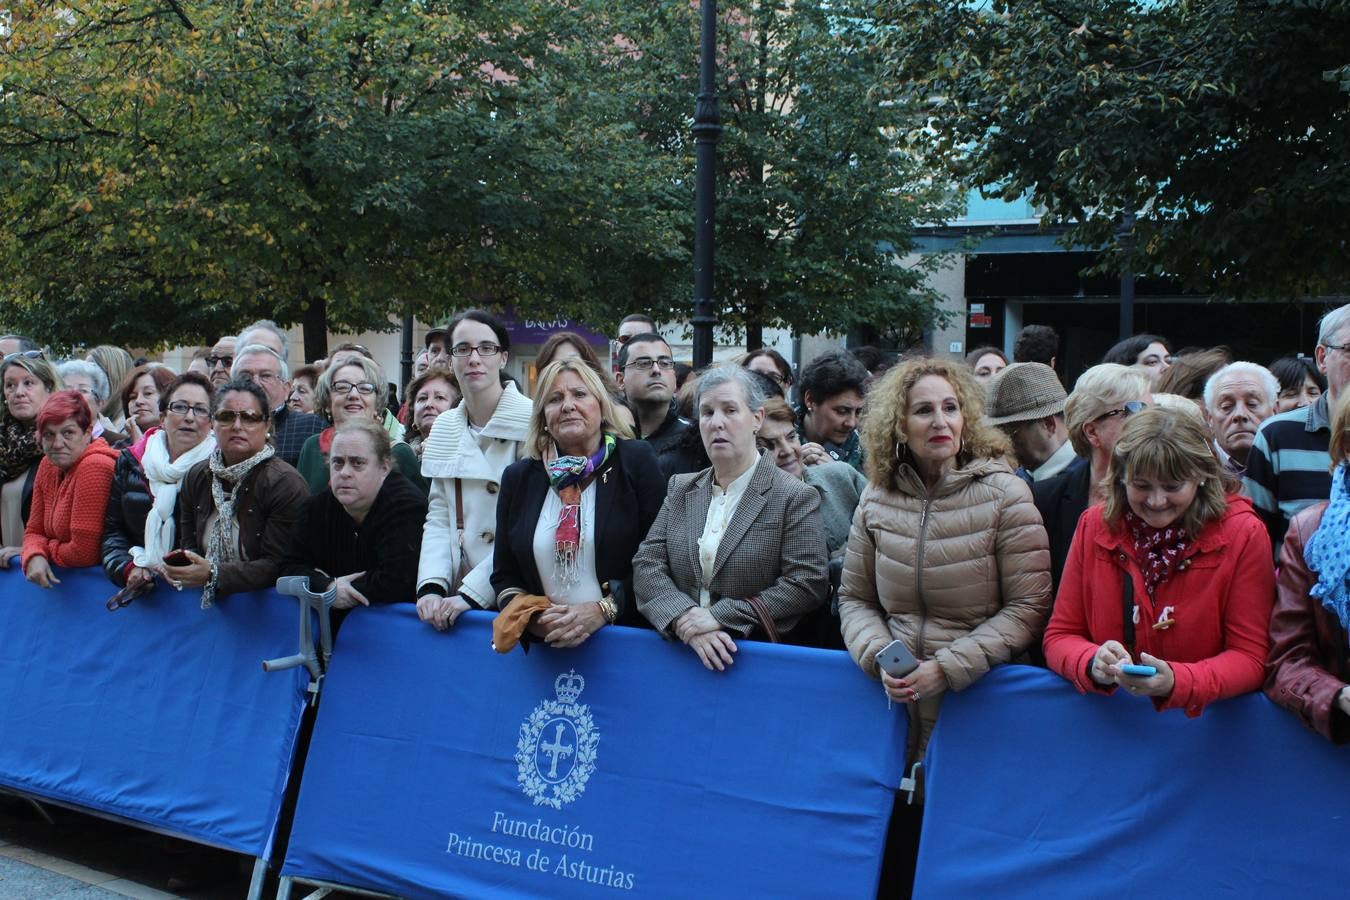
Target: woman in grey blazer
(737,549)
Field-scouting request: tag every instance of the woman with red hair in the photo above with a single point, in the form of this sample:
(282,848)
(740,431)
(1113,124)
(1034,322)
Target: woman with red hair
(65,525)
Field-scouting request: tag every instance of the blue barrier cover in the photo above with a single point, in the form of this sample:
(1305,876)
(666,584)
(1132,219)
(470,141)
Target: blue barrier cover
(439,767)
(1037,791)
(158,713)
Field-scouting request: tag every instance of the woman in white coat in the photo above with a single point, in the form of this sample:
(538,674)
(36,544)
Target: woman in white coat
(464,457)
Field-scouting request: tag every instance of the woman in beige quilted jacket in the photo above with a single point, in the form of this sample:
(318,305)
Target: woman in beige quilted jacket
(947,551)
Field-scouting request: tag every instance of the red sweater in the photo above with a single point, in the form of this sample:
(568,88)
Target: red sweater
(1219,599)
(66,521)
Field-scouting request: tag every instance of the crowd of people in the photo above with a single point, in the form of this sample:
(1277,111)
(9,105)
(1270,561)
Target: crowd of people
(1175,526)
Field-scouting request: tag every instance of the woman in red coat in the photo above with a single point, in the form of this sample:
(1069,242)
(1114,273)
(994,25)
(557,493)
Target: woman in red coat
(65,526)
(1309,670)
(1173,571)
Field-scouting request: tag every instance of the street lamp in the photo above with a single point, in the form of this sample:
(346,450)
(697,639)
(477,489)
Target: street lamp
(707,128)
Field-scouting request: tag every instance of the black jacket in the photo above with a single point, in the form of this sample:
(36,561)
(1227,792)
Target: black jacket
(124,519)
(1061,501)
(386,546)
(630,489)
(678,445)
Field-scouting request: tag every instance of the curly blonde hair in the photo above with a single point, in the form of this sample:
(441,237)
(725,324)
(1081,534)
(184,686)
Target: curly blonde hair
(883,426)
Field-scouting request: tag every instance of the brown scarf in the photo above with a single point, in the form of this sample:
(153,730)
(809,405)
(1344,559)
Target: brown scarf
(19,450)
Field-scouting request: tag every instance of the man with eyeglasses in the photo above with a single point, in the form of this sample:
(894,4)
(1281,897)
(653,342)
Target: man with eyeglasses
(1288,466)
(647,378)
(15,343)
(219,361)
(290,429)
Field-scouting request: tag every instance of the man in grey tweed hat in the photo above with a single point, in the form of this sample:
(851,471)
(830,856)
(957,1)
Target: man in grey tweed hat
(1026,400)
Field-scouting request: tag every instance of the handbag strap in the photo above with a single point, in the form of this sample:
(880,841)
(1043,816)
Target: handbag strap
(459,505)
(1127,609)
(765,620)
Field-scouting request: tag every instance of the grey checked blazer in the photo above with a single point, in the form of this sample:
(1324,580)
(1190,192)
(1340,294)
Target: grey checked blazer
(773,547)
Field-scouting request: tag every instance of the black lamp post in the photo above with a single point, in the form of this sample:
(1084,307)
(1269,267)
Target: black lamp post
(707,128)
(1127,240)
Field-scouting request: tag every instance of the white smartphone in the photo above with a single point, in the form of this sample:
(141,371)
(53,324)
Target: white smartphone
(896,660)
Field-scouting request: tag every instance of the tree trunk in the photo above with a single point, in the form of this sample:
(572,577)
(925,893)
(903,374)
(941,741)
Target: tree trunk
(315,326)
(754,336)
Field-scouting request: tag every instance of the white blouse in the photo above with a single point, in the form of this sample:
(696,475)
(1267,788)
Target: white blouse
(720,510)
(586,588)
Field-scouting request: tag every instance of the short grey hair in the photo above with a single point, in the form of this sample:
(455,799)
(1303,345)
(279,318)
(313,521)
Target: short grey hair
(89,370)
(1332,324)
(730,372)
(254,350)
(1262,375)
(268,325)
(1100,389)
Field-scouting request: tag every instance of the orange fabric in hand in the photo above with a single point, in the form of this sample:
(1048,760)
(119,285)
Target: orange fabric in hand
(511,622)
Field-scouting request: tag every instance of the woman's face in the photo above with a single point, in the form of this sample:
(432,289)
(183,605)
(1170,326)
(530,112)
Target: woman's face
(143,403)
(241,427)
(727,425)
(64,442)
(24,393)
(779,440)
(347,400)
(566,350)
(933,423)
(187,421)
(572,414)
(355,473)
(78,381)
(480,367)
(1159,502)
(433,398)
(301,398)
(1155,359)
(1107,428)
(764,365)
(836,418)
(987,366)
(1305,394)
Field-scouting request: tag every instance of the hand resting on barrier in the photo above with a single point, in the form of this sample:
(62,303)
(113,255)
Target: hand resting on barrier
(7,554)
(39,572)
(195,574)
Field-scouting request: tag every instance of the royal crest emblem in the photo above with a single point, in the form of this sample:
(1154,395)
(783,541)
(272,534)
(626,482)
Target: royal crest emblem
(556,752)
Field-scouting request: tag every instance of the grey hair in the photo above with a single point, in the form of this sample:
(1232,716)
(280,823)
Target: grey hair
(1262,375)
(254,349)
(716,376)
(1332,323)
(268,325)
(90,370)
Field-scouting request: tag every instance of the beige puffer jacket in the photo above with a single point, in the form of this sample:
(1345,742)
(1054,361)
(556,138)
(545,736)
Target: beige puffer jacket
(962,576)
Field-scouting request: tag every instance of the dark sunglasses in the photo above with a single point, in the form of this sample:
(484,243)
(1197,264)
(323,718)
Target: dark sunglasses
(213,361)
(1127,409)
(22,354)
(230,416)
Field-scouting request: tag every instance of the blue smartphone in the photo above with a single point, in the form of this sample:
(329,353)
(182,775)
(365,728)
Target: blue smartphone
(1141,671)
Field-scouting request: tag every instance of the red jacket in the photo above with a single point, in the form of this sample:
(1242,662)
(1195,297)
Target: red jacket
(1219,599)
(66,522)
(1309,651)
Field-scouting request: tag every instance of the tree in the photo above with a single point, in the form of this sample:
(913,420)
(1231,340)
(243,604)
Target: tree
(1223,125)
(169,170)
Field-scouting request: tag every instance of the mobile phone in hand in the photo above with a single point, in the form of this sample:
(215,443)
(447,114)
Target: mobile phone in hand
(896,660)
(177,558)
(1139,671)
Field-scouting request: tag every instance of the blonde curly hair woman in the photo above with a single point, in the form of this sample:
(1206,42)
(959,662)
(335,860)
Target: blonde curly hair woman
(947,554)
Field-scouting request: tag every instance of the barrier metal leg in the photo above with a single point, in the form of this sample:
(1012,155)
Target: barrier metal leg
(41,810)
(255,884)
(284,887)
(319,894)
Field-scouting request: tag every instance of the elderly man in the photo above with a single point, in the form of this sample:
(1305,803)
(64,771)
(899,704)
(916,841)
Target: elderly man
(220,360)
(16,343)
(290,429)
(1289,466)
(1026,401)
(267,333)
(1237,399)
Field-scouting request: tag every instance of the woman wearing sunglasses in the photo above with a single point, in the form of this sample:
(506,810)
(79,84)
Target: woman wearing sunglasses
(348,392)
(239,505)
(1168,588)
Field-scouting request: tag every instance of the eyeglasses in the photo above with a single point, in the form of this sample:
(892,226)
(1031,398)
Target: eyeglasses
(228,417)
(364,388)
(22,354)
(483,350)
(664,363)
(213,361)
(260,377)
(773,376)
(184,409)
(1127,409)
(1340,347)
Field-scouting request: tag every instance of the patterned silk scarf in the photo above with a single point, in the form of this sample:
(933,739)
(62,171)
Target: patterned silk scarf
(1328,551)
(19,449)
(568,475)
(222,541)
(1157,550)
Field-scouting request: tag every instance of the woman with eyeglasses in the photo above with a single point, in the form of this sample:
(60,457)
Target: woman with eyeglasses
(770,363)
(350,391)
(1104,398)
(28,380)
(89,381)
(138,527)
(468,449)
(1172,574)
(238,505)
(70,491)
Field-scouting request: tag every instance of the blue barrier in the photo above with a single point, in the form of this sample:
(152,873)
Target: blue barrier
(438,767)
(1035,792)
(158,714)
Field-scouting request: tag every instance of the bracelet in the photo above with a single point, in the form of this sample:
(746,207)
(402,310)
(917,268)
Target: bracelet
(610,608)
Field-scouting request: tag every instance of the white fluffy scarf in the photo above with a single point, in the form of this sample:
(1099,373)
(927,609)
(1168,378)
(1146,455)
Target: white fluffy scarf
(163,477)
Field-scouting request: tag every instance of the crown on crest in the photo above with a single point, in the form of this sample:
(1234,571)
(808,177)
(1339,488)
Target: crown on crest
(569,686)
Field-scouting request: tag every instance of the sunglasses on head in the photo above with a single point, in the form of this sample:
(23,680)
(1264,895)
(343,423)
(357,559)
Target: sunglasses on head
(22,354)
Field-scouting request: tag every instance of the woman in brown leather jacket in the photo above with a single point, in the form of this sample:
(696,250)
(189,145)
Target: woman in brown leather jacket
(1309,664)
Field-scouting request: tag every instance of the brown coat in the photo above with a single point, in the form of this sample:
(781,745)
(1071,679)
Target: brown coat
(1309,657)
(270,499)
(962,576)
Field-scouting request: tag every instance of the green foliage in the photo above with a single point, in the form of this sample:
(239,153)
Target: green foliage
(1223,124)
